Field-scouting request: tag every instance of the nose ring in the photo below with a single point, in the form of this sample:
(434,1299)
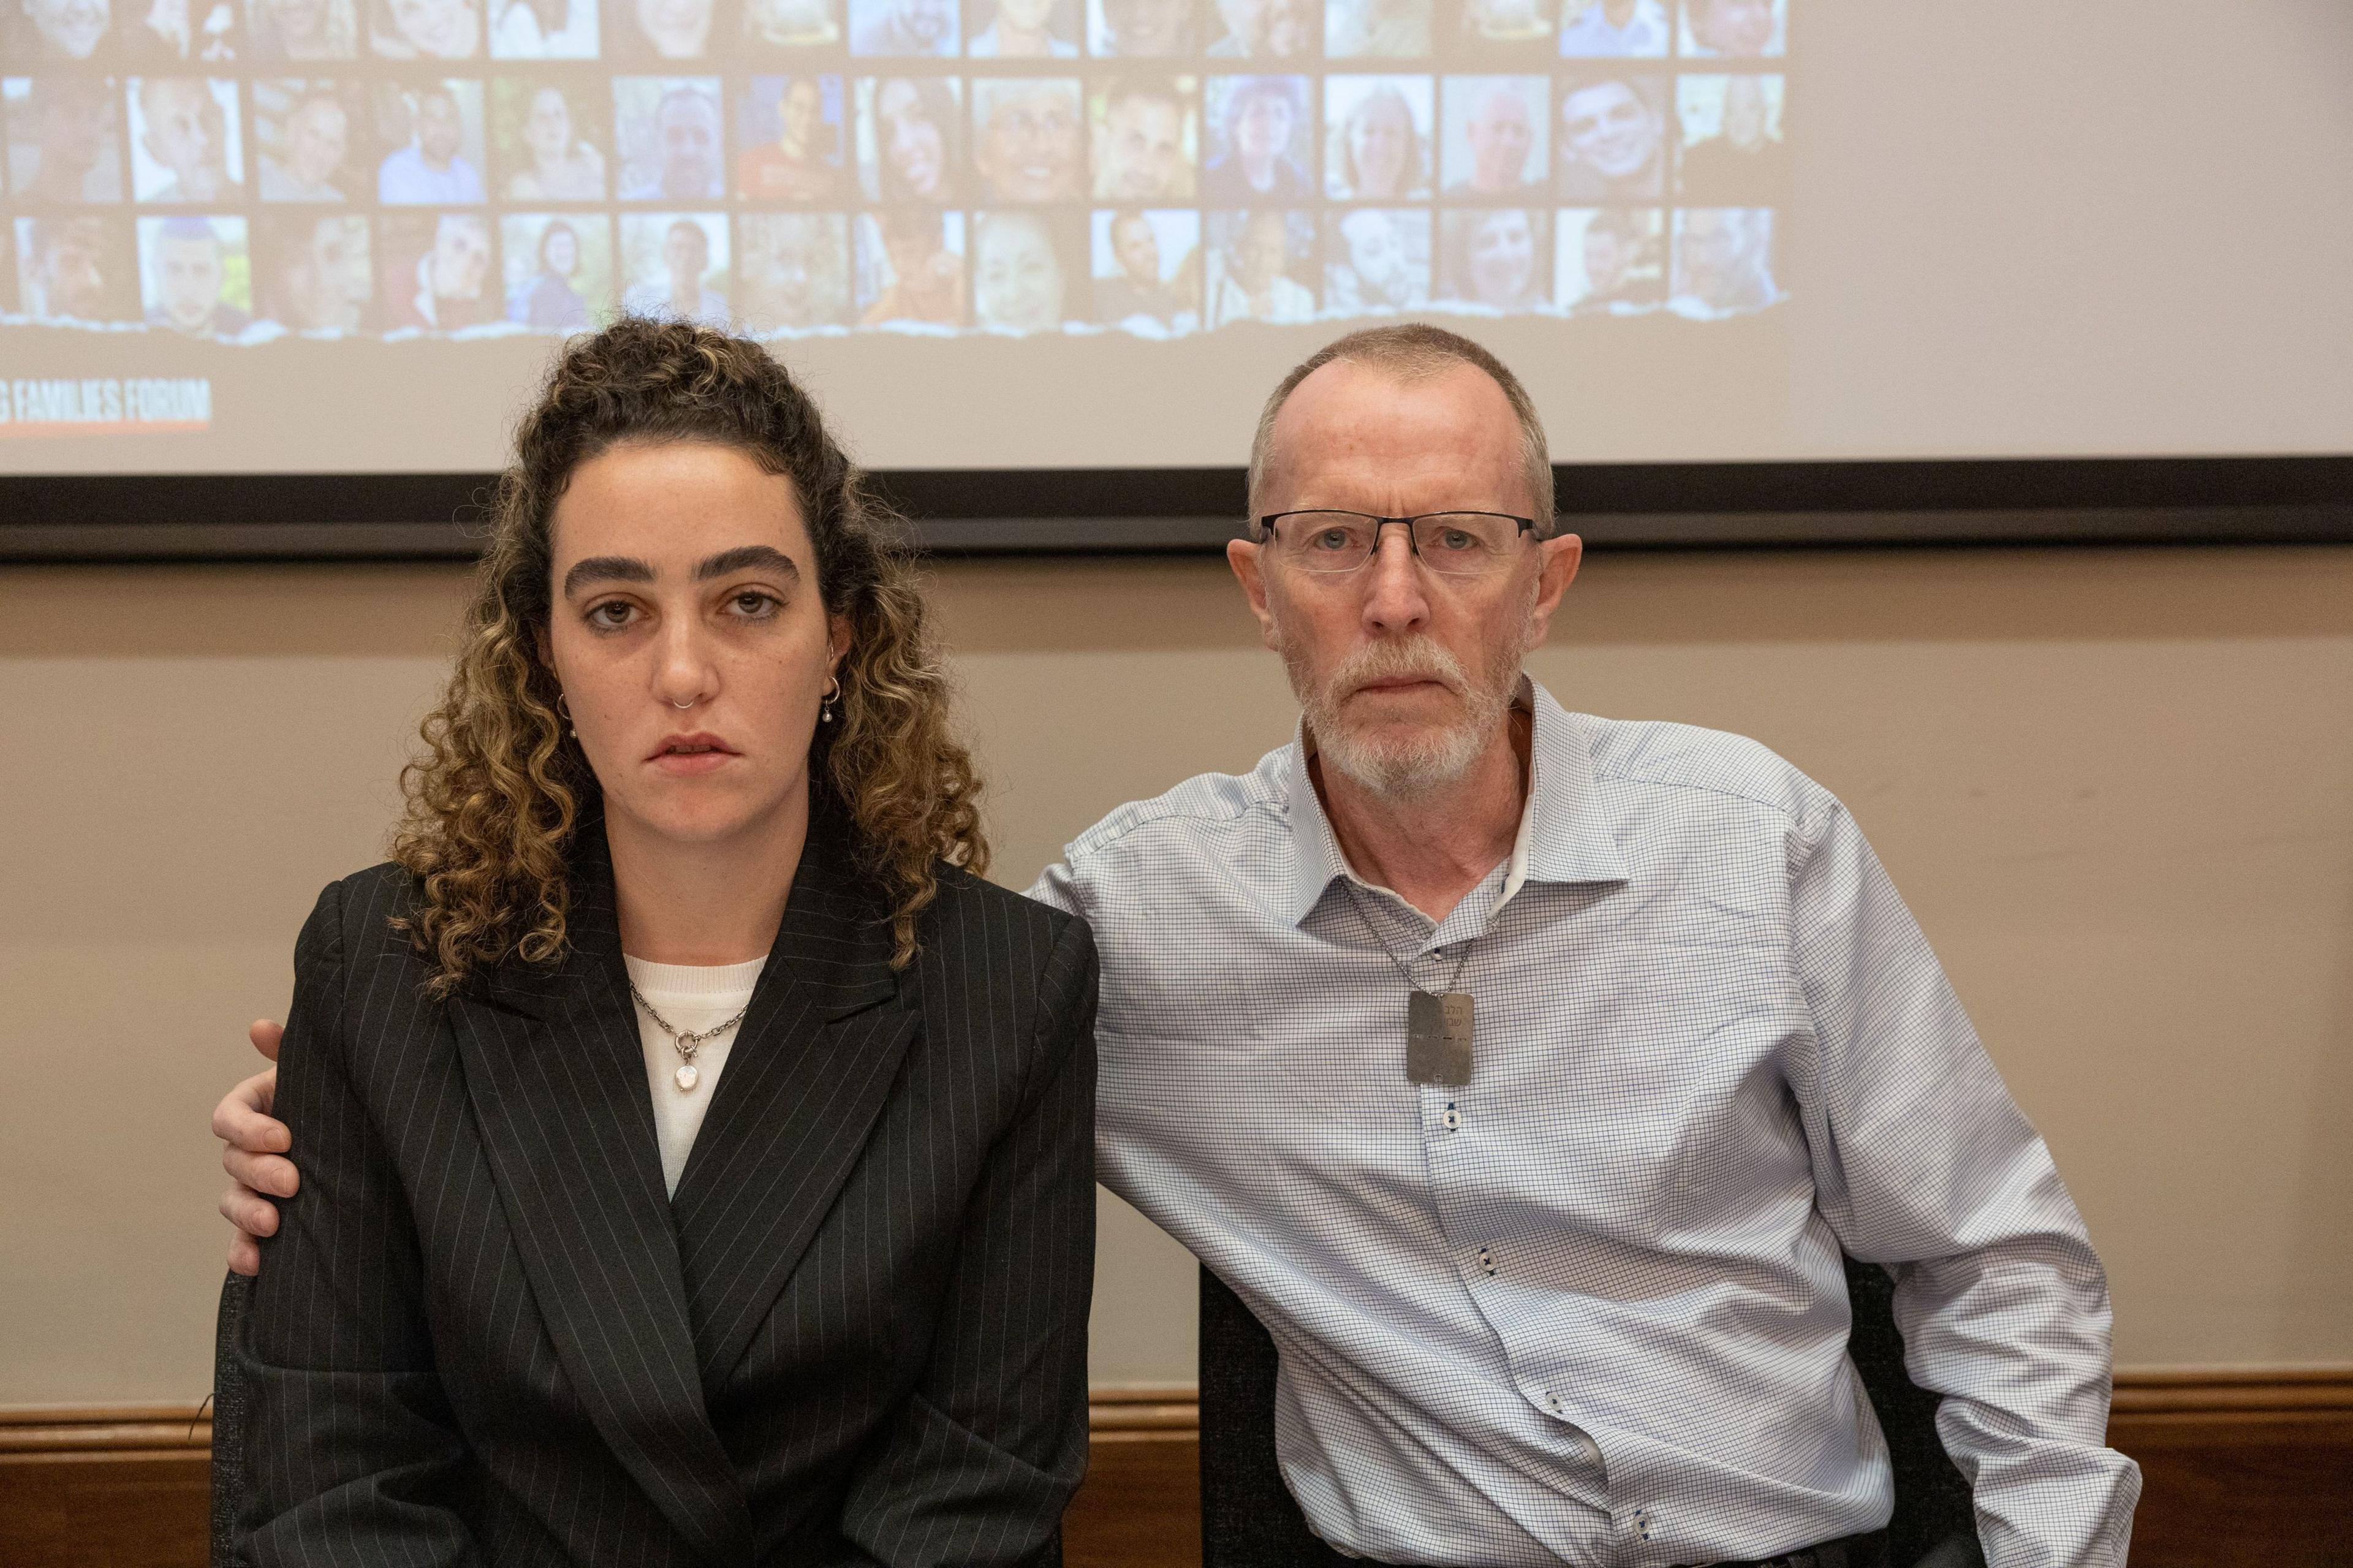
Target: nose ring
(688,703)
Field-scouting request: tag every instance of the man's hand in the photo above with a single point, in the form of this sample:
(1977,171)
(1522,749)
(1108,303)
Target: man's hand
(255,1158)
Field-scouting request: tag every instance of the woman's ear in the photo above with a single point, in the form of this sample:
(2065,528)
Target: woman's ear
(836,642)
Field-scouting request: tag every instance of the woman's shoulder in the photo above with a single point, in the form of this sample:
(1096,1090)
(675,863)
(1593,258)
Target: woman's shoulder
(965,899)
(352,921)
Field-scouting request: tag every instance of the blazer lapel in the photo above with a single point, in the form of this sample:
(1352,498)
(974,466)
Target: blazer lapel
(810,1072)
(556,1075)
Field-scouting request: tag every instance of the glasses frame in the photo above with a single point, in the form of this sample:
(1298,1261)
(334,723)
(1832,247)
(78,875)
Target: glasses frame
(1266,532)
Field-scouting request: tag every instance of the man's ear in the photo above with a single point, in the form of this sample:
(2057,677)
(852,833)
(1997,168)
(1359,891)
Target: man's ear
(1562,555)
(1243,557)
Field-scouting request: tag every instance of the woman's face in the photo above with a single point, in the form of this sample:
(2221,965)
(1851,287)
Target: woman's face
(1503,257)
(911,139)
(548,130)
(676,28)
(1380,146)
(560,252)
(1017,277)
(687,637)
(1262,130)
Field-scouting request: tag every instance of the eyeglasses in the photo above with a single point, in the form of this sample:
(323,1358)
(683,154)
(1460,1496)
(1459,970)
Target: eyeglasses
(1454,543)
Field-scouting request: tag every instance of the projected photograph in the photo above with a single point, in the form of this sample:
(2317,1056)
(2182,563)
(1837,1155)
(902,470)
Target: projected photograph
(400,169)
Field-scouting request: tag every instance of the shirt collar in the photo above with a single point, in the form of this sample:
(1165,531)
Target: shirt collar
(1561,837)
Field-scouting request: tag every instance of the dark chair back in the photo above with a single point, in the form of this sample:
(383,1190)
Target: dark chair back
(1249,1521)
(229,1398)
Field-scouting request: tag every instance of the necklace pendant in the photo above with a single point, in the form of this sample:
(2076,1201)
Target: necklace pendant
(1438,1038)
(687,1078)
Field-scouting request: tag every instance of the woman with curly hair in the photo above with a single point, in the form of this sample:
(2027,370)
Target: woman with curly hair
(696,1156)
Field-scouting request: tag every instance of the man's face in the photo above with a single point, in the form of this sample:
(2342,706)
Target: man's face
(547,131)
(1499,136)
(1503,256)
(1137,250)
(787,277)
(800,113)
(188,277)
(461,258)
(331,282)
(1375,252)
(72,128)
(685,253)
(1713,249)
(560,253)
(438,128)
(72,273)
(1265,246)
(1017,277)
(1607,127)
(445,30)
(1733,27)
(1149,28)
(676,28)
(923,23)
(1606,259)
(689,128)
(1405,675)
(1262,130)
(1032,149)
(913,142)
(1144,149)
(315,140)
(70,27)
(181,120)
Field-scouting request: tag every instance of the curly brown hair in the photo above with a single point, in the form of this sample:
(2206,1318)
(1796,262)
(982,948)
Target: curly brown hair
(495,799)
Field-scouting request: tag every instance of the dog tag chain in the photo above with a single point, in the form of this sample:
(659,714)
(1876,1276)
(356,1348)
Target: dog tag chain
(1439,1026)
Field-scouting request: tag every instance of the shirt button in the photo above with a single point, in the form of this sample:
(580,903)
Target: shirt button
(1487,1262)
(1451,1120)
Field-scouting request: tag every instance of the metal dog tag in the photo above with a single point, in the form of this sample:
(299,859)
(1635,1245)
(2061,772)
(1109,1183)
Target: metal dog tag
(1437,1038)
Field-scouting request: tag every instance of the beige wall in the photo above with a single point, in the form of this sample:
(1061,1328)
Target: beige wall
(2117,788)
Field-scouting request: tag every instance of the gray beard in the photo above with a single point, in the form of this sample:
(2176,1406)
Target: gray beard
(1421,764)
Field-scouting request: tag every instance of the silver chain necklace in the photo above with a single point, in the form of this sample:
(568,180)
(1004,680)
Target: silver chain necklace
(687,1041)
(1439,1026)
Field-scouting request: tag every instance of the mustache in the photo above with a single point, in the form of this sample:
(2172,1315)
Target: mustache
(1412,657)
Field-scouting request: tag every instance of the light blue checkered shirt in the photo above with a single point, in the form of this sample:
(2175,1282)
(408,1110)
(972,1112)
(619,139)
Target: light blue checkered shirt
(1591,1308)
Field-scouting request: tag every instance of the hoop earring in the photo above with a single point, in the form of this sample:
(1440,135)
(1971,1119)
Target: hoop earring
(564,711)
(825,703)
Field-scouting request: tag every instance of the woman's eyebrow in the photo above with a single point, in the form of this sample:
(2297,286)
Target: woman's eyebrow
(744,557)
(605,569)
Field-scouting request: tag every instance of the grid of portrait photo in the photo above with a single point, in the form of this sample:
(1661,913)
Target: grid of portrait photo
(244,169)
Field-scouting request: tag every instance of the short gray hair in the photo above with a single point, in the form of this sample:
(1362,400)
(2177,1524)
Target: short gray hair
(1415,350)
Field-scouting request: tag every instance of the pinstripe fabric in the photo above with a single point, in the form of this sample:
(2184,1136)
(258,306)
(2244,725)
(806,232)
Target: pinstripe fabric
(1590,1308)
(856,1335)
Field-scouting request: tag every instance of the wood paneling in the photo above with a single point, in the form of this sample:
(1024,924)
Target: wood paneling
(2242,1469)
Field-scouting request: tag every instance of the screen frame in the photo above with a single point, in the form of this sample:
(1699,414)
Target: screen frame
(2075,502)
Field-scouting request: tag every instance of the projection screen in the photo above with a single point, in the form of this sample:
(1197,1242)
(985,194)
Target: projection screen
(336,236)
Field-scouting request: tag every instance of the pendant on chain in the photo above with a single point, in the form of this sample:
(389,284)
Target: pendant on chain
(1438,1033)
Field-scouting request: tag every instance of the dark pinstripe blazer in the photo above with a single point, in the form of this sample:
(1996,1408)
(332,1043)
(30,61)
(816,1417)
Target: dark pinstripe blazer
(858,1334)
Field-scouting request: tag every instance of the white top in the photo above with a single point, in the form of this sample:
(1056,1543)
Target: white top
(693,997)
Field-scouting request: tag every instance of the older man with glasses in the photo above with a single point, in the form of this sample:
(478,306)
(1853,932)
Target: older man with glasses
(1527,1073)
